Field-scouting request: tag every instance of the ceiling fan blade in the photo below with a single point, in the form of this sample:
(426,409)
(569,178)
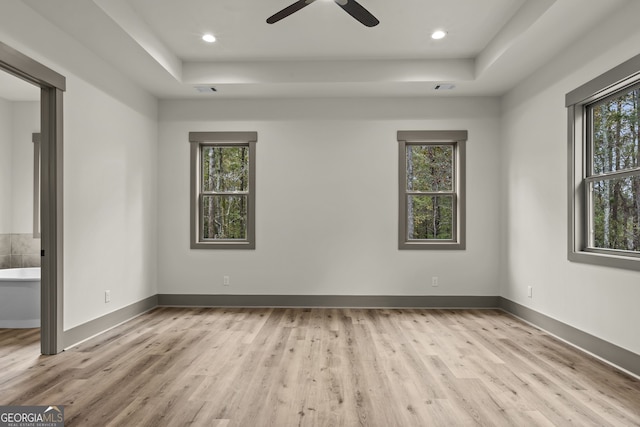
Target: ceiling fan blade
(288,11)
(355,9)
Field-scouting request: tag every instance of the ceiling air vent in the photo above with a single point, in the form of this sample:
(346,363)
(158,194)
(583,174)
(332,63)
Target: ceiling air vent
(206,89)
(444,86)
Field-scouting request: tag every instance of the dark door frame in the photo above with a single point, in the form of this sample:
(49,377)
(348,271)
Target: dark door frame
(52,85)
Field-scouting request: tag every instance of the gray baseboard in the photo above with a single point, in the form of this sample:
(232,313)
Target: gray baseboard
(361,301)
(611,353)
(108,321)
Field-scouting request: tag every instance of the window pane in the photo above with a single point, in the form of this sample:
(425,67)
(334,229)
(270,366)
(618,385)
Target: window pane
(430,217)
(430,167)
(225,168)
(615,218)
(224,217)
(614,133)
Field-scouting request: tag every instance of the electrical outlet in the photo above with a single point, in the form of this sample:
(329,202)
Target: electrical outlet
(530,291)
(107,296)
(225,281)
(434,281)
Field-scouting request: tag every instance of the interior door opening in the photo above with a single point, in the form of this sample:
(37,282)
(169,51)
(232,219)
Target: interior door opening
(52,86)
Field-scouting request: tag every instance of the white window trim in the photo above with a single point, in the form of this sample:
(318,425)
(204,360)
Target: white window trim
(197,140)
(623,76)
(458,139)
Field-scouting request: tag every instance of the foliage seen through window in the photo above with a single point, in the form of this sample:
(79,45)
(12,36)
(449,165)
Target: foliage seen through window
(429,188)
(614,184)
(225,186)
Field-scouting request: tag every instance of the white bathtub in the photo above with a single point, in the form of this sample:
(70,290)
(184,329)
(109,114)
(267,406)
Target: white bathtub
(20,298)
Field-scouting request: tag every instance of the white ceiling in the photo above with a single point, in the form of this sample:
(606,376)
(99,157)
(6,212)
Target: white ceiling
(321,50)
(323,31)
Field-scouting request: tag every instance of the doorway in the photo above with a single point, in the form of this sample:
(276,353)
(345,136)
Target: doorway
(52,85)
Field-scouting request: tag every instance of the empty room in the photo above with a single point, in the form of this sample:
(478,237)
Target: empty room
(319,212)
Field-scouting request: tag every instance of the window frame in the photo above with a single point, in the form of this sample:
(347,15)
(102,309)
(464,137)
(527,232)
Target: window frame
(578,102)
(198,140)
(457,139)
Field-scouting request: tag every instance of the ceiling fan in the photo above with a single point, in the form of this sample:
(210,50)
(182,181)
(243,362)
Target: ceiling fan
(352,7)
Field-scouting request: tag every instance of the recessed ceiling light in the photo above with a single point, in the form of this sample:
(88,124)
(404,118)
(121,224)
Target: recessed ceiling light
(209,38)
(438,34)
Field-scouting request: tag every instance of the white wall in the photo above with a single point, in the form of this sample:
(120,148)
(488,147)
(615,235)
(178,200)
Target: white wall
(26,121)
(110,203)
(327,199)
(600,301)
(110,160)
(6,132)
(18,120)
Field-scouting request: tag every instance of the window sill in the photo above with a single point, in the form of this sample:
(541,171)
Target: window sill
(605,260)
(432,245)
(223,245)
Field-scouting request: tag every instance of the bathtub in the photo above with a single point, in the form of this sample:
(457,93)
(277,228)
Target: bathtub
(20,298)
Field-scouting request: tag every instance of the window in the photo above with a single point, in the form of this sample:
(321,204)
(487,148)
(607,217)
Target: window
(223,190)
(604,169)
(432,187)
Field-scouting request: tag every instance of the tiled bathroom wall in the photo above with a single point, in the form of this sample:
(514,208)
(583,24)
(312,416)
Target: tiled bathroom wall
(19,250)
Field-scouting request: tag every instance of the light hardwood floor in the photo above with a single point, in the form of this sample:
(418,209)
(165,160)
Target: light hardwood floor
(319,367)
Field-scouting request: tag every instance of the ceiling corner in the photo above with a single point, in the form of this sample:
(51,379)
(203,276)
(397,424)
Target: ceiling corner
(121,12)
(508,36)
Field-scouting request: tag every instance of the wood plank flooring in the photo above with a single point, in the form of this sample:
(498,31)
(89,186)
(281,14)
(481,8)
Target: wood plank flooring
(319,367)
